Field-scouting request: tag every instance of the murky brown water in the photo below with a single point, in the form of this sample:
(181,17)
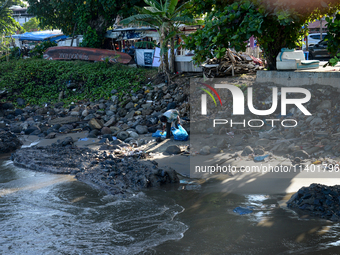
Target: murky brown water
(53,214)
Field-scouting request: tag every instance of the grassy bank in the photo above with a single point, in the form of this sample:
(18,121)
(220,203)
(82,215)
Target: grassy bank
(39,81)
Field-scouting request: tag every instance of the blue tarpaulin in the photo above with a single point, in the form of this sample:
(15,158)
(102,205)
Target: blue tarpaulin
(41,36)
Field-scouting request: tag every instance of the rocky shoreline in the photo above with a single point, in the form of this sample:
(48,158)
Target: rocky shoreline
(105,169)
(126,117)
(129,120)
(317,200)
(122,124)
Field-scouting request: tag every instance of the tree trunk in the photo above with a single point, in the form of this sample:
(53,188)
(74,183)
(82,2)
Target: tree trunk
(161,57)
(166,65)
(172,55)
(273,49)
(271,59)
(164,54)
(74,30)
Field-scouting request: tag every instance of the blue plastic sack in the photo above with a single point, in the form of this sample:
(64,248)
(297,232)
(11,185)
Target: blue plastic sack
(180,134)
(260,158)
(159,133)
(242,210)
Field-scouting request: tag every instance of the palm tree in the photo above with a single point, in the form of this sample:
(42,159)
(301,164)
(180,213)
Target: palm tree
(164,15)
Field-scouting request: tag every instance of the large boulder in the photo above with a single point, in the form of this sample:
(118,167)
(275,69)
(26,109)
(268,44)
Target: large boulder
(173,149)
(122,135)
(9,142)
(95,124)
(141,129)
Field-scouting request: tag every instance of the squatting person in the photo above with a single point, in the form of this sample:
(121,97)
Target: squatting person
(169,117)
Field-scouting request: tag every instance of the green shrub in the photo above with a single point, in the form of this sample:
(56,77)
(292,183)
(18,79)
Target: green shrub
(39,49)
(15,53)
(39,81)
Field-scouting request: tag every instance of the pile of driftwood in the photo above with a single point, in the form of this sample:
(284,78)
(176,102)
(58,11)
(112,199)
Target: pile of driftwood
(232,63)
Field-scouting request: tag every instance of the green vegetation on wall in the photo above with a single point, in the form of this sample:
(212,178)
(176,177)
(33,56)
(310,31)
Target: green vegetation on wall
(39,81)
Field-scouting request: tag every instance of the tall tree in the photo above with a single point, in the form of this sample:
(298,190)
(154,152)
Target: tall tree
(7,24)
(91,18)
(165,16)
(33,25)
(276,24)
(333,38)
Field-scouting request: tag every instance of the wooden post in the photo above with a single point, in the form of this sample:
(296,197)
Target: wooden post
(320,29)
(230,55)
(233,61)
(74,30)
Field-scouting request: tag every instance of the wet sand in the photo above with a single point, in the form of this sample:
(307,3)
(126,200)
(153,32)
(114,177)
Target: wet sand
(233,182)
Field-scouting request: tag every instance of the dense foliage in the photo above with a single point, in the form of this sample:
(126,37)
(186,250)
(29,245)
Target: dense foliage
(7,24)
(90,18)
(39,81)
(34,25)
(333,38)
(38,50)
(275,24)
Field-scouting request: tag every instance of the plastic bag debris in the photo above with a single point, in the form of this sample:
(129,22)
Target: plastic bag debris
(185,182)
(242,210)
(260,158)
(83,139)
(180,134)
(159,133)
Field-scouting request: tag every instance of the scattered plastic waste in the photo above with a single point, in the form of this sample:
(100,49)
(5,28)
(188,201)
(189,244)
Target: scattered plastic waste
(317,162)
(114,138)
(83,139)
(260,158)
(159,133)
(242,210)
(185,182)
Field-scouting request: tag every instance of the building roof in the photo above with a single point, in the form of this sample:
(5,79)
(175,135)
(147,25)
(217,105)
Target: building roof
(41,36)
(17,8)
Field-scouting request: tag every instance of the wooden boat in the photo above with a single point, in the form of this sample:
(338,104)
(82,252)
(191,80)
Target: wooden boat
(89,54)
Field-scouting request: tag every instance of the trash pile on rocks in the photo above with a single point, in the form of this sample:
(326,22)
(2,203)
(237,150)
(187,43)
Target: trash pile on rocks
(104,169)
(231,63)
(318,200)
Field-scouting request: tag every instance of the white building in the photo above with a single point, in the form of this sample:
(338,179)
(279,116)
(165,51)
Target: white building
(20,14)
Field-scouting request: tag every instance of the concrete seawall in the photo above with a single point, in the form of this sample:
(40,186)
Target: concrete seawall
(322,76)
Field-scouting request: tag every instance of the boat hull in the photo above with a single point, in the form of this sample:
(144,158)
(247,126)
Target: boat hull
(88,54)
